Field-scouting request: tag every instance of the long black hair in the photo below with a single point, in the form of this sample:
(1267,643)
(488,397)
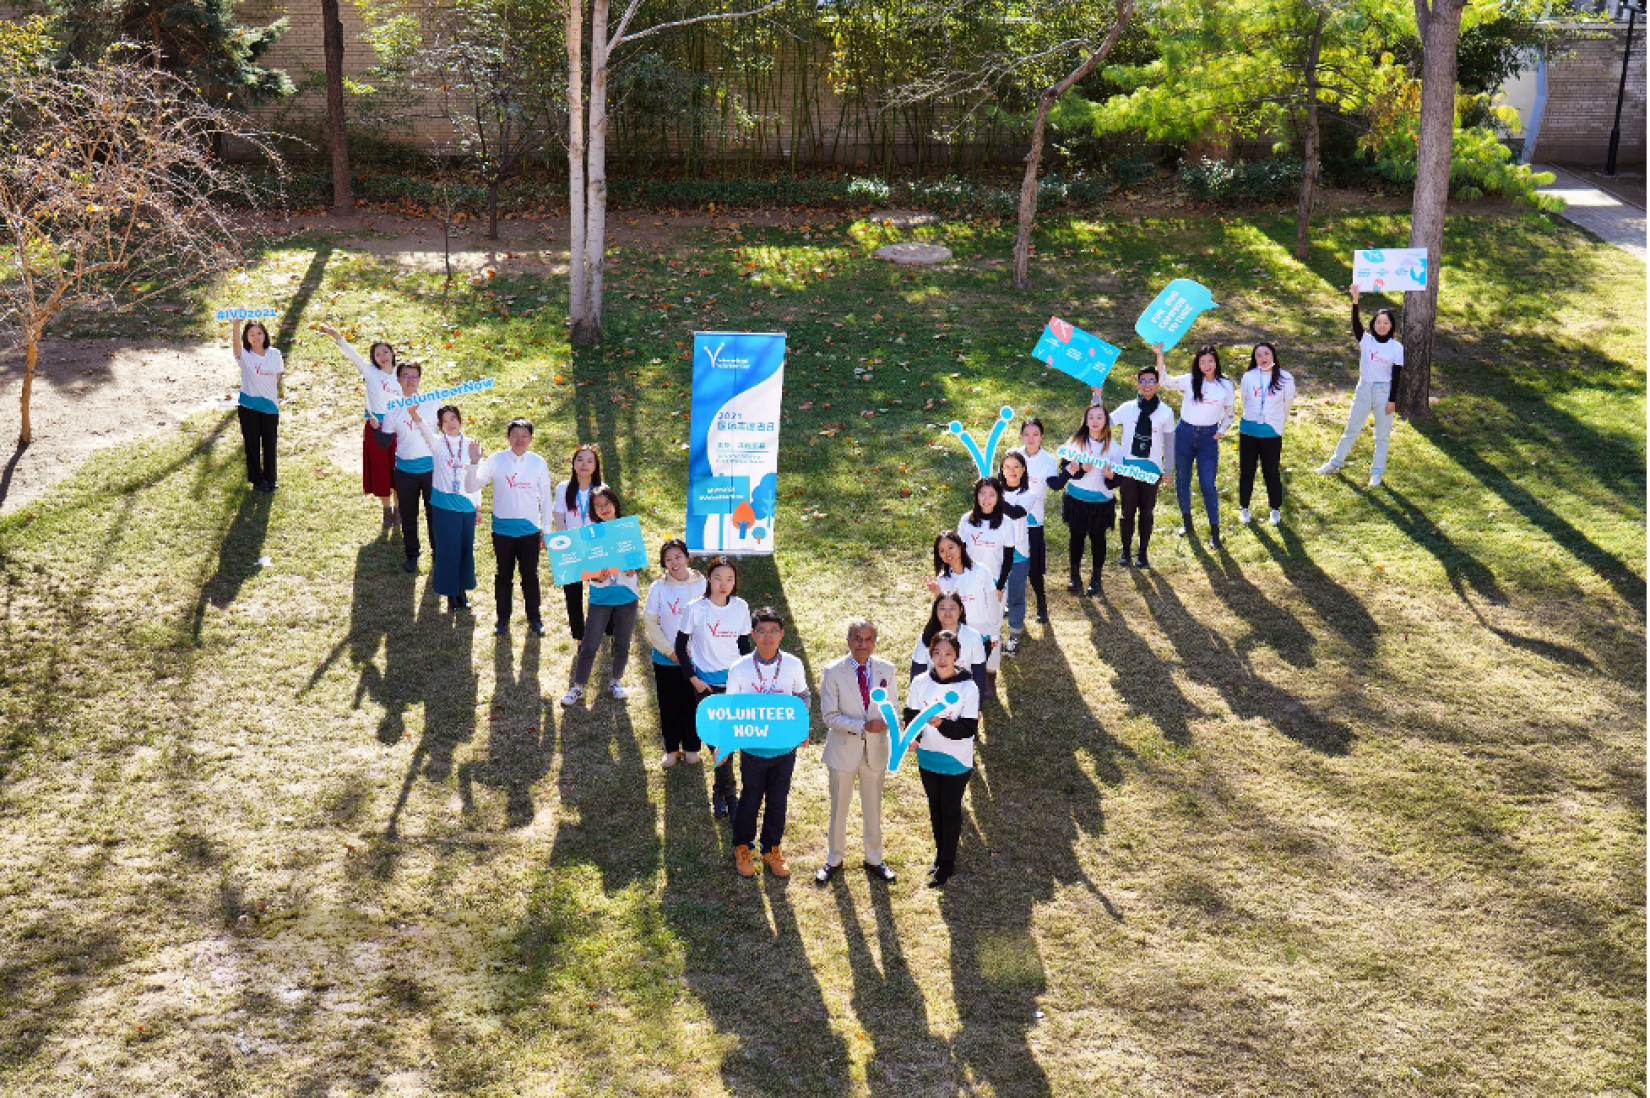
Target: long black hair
(940,567)
(1392,318)
(573,473)
(1081,436)
(1002,479)
(934,625)
(1197,370)
(979,517)
(1277,368)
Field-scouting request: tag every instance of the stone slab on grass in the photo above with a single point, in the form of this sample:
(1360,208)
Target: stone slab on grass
(914,255)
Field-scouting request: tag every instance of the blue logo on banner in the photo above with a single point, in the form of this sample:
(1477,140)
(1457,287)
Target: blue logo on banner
(767,722)
(575,554)
(987,461)
(1073,351)
(1171,315)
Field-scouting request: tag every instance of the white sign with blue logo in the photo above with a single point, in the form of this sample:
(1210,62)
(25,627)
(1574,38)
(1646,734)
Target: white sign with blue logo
(1172,313)
(904,737)
(575,555)
(733,442)
(1390,270)
(1073,351)
(246,312)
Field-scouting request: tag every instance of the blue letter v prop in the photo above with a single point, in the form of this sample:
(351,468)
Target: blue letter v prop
(904,736)
(987,461)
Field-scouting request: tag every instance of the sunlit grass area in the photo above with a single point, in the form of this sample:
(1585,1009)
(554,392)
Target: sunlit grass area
(1354,807)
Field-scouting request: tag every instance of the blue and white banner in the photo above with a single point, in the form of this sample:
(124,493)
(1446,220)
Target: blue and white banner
(1390,270)
(1134,468)
(733,442)
(577,554)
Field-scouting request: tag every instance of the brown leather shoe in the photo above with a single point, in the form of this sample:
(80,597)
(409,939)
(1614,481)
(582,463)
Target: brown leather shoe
(775,861)
(742,861)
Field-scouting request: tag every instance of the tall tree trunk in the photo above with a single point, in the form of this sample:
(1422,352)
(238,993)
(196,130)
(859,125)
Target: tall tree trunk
(332,46)
(1034,158)
(575,164)
(1309,164)
(1440,36)
(595,202)
(31,356)
(492,208)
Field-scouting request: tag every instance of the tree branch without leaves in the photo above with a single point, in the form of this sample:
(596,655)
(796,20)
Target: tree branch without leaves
(620,38)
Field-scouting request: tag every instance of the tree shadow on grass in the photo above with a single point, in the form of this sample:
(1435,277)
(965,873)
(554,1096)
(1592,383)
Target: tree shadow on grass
(1333,603)
(519,735)
(292,317)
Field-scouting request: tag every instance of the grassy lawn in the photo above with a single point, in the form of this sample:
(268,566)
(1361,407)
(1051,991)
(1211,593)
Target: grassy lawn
(1356,807)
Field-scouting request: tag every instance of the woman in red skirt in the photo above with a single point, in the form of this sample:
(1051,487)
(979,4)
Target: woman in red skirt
(377,445)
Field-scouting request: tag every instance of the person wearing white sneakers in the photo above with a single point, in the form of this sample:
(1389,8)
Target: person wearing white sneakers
(856,748)
(1267,390)
(667,601)
(1380,365)
(613,597)
(764,773)
(1205,415)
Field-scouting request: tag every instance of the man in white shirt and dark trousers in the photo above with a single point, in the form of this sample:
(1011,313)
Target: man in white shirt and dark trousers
(856,748)
(521,514)
(765,774)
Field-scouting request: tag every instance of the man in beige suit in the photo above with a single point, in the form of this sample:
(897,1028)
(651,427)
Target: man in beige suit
(856,746)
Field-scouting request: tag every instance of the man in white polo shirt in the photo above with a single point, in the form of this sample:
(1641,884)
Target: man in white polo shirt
(521,514)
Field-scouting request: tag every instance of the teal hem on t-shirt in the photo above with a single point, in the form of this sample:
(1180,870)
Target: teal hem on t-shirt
(938,762)
(611,596)
(513,528)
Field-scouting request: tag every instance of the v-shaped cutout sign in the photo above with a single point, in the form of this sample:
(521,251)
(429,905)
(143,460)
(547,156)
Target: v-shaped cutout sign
(904,736)
(987,461)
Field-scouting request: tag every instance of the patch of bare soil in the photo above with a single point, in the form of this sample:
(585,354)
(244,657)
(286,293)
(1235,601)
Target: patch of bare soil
(90,394)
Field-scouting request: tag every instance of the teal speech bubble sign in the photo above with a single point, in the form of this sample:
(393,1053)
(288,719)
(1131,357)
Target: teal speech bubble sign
(767,722)
(1172,313)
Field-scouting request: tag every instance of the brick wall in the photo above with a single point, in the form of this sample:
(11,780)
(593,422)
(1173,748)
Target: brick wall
(1583,74)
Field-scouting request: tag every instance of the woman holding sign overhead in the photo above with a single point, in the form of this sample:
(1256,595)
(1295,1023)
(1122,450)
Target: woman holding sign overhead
(377,446)
(453,513)
(613,597)
(1380,365)
(259,408)
(1205,414)
(945,746)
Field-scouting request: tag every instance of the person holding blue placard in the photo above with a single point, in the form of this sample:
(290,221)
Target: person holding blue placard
(948,616)
(572,510)
(1040,465)
(945,747)
(1268,390)
(521,514)
(715,632)
(668,599)
(1145,430)
(453,513)
(1205,414)
(258,409)
(1380,365)
(1089,508)
(414,465)
(377,447)
(764,772)
(995,533)
(613,598)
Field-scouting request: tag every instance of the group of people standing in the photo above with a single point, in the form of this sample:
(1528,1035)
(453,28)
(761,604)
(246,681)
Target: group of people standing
(705,640)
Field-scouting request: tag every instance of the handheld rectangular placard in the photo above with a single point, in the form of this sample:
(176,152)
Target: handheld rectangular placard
(1390,270)
(1073,351)
(575,554)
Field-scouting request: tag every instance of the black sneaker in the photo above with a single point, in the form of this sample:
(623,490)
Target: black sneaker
(409,565)
(1094,590)
(1042,617)
(1075,587)
(1214,541)
(501,630)
(1124,561)
(1142,562)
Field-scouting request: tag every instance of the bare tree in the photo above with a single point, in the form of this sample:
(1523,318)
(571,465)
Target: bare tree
(587,146)
(109,193)
(332,45)
(1034,158)
(1439,23)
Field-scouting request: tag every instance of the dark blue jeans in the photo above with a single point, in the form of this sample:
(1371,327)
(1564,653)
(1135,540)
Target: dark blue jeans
(763,778)
(1196,444)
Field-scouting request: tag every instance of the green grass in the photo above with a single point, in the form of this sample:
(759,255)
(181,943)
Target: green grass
(1357,808)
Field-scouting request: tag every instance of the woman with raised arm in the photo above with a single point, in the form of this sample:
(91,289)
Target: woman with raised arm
(259,406)
(1205,414)
(377,446)
(1380,365)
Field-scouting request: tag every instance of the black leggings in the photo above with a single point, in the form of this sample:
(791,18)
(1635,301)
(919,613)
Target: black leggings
(1088,520)
(1038,541)
(945,815)
(574,593)
(1269,453)
(1136,495)
(258,432)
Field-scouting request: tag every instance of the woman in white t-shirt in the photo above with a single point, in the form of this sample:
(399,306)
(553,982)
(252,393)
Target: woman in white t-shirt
(1040,465)
(1268,390)
(993,531)
(715,632)
(453,514)
(570,503)
(1206,412)
(259,405)
(948,615)
(1018,492)
(668,599)
(944,747)
(1088,506)
(1380,365)
(956,572)
(381,386)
